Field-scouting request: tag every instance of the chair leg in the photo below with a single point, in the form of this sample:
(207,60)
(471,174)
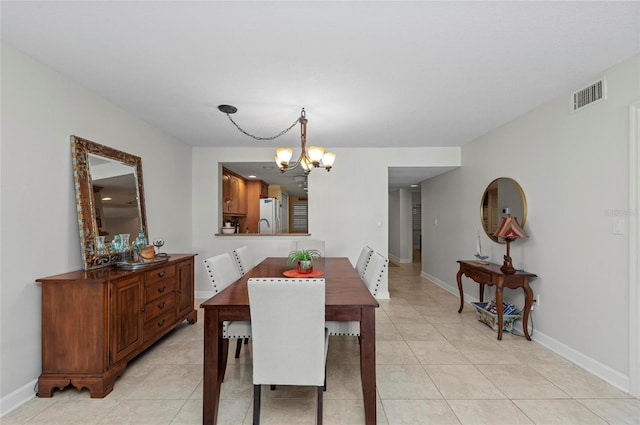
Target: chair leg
(319,413)
(256,405)
(246,341)
(273,387)
(238,347)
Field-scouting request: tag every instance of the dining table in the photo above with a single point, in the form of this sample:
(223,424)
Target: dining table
(346,299)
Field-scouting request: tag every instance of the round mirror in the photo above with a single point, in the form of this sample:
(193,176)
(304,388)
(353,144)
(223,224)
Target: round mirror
(503,196)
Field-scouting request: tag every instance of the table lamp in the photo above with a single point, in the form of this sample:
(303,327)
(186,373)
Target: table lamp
(509,230)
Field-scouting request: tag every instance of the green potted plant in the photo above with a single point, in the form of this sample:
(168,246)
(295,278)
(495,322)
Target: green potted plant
(304,259)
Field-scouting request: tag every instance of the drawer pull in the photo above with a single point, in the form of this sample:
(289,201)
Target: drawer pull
(161,290)
(162,273)
(161,305)
(160,323)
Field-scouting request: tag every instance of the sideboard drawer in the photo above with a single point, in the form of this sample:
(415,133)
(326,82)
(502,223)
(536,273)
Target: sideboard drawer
(159,289)
(159,274)
(159,306)
(159,324)
(478,276)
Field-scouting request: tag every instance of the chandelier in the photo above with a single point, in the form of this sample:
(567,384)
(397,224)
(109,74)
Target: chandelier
(314,157)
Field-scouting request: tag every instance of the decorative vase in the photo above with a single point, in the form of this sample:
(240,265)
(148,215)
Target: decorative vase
(124,247)
(305,266)
(141,241)
(116,245)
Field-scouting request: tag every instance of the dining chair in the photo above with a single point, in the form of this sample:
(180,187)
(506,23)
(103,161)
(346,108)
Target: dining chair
(244,259)
(280,308)
(223,272)
(316,244)
(363,260)
(377,268)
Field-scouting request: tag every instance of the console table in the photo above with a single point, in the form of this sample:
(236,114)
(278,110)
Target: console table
(490,274)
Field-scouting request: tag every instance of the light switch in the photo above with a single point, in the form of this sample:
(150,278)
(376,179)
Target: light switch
(617,226)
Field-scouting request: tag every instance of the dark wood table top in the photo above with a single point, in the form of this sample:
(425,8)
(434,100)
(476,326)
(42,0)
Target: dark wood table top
(493,268)
(344,287)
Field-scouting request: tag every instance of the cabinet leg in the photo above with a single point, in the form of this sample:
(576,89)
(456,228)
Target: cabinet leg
(192,317)
(47,385)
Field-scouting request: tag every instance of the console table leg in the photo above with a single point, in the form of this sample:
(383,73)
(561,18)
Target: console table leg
(500,310)
(528,300)
(459,279)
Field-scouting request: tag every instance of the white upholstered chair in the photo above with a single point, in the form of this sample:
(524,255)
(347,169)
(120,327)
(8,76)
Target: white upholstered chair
(223,272)
(244,259)
(280,308)
(316,244)
(363,260)
(377,268)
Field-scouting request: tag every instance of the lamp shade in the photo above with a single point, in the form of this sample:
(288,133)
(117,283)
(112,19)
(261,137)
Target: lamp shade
(327,160)
(284,155)
(510,229)
(306,164)
(315,154)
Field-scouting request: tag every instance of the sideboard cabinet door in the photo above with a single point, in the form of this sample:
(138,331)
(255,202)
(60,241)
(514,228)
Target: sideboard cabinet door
(185,292)
(126,302)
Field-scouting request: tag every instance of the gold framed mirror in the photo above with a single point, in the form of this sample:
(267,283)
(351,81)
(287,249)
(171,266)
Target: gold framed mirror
(501,197)
(109,199)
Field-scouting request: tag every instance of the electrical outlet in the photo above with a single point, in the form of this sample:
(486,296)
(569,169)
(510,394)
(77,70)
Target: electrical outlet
(536,302)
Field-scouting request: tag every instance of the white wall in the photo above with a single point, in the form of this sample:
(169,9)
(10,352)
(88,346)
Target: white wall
(40,110)
(346,218)
(574,170)
(400,226)
(394,225)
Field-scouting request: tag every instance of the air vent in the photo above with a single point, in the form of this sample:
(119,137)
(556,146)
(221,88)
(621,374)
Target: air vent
(589,95)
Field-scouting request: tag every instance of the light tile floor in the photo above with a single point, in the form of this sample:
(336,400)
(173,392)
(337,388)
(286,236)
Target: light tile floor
(435,366)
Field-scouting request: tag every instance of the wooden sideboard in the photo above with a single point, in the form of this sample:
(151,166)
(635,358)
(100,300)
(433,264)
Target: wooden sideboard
(95,321)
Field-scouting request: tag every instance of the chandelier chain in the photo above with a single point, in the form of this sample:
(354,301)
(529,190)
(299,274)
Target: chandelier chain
(286,130)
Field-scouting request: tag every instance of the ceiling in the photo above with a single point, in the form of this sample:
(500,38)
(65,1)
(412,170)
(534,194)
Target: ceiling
(369,74)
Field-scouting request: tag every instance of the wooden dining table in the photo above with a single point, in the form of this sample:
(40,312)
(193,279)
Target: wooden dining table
(346,299)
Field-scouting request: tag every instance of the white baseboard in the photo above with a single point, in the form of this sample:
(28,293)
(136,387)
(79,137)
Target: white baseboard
(400,260)
(598,369)
(12,401)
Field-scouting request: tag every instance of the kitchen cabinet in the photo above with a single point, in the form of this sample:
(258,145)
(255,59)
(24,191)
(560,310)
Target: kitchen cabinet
(264,189)
(234,193)
(255,191)
(94,322)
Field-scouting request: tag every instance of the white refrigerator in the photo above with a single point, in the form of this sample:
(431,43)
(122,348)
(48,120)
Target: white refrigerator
(270,216)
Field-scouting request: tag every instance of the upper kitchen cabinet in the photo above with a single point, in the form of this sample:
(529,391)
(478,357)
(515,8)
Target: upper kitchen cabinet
(234,193)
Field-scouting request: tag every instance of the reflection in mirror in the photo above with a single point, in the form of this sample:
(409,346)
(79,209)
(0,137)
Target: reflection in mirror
(501,197)
(109,198)
(116,197)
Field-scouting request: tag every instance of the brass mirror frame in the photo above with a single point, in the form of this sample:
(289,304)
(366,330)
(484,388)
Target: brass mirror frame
(522,219)
(85,202)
